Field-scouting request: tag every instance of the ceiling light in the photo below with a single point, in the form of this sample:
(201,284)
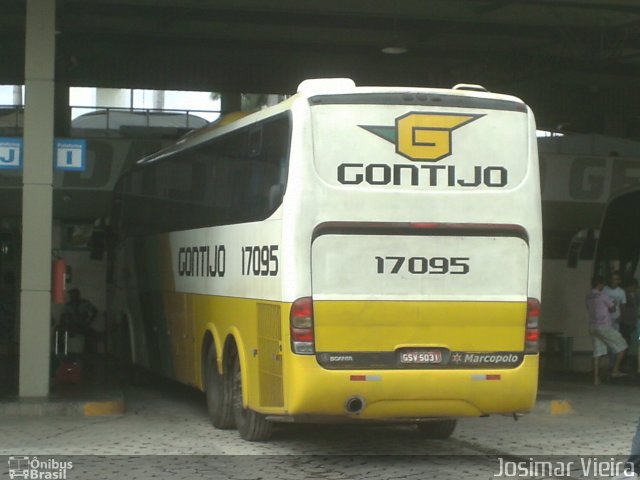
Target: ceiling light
(394,50)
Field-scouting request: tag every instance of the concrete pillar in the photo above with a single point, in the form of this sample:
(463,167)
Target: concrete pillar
(62,111)
(17,95)
(158,99)
(114,97)
(35,294)
(274,100)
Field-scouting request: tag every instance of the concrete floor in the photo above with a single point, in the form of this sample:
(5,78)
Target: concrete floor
(165,433)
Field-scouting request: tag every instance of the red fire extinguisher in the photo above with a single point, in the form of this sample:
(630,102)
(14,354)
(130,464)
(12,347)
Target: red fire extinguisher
(58,280)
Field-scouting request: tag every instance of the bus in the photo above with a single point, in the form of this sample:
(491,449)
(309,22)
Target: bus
(351,254)
(618,246)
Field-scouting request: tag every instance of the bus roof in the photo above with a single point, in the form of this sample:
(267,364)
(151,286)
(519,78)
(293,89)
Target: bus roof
(344,91)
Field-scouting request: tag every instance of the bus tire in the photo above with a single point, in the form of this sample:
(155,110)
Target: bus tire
(251,425)
(437,429)
(218,393)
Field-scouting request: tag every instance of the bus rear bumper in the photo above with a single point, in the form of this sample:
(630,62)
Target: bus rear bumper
(409,395)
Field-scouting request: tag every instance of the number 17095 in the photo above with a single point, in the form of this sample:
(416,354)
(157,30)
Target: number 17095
(423,265)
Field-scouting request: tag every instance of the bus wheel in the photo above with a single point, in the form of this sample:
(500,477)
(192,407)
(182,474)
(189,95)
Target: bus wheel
(251,425)
(437,429)
(218,393)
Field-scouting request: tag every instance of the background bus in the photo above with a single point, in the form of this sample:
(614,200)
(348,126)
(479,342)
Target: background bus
(619,242)
(351,254)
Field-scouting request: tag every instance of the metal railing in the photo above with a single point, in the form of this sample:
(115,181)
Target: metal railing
(113,118)
(11,116)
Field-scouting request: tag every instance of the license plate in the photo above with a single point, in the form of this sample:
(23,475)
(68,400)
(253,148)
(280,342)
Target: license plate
(421,356)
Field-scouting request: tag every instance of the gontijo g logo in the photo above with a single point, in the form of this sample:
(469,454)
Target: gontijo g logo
(423,137)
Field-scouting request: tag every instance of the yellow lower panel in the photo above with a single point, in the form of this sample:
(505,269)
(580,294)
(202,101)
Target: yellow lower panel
(346,326)
(309,389)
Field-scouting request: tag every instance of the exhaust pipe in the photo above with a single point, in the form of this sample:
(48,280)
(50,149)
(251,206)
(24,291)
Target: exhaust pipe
(354,405)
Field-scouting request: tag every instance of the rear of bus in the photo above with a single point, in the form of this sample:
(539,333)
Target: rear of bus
(415,225)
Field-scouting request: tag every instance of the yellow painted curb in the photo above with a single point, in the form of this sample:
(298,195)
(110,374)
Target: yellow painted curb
(99,409)
(560,407)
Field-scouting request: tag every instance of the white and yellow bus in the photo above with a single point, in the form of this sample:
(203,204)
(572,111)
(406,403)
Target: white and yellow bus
(351,254)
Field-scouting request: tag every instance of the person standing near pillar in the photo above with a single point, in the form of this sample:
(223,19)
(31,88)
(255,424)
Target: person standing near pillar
(600,307)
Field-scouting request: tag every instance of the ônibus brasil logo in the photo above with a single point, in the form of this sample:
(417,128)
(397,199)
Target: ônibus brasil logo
(34,468)
(423,137)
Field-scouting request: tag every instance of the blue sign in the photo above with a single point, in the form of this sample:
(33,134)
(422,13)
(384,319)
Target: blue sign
(70,154)
(10,152)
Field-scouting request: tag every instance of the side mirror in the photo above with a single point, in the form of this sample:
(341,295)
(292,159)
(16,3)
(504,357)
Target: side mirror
(574,254)
(582,247)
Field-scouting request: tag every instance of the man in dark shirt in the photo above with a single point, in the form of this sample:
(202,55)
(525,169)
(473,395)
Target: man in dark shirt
(77,317)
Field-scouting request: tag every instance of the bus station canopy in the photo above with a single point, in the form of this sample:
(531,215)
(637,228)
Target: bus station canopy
(576,62)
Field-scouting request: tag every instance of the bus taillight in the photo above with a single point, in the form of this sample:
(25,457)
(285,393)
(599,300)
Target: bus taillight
(532,334)
(301,325)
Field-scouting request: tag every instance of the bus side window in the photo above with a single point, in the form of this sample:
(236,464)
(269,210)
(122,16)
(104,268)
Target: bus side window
(220,189)
(255,143)
(276,192)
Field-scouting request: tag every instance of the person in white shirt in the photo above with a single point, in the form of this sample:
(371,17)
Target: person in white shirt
(618,295)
